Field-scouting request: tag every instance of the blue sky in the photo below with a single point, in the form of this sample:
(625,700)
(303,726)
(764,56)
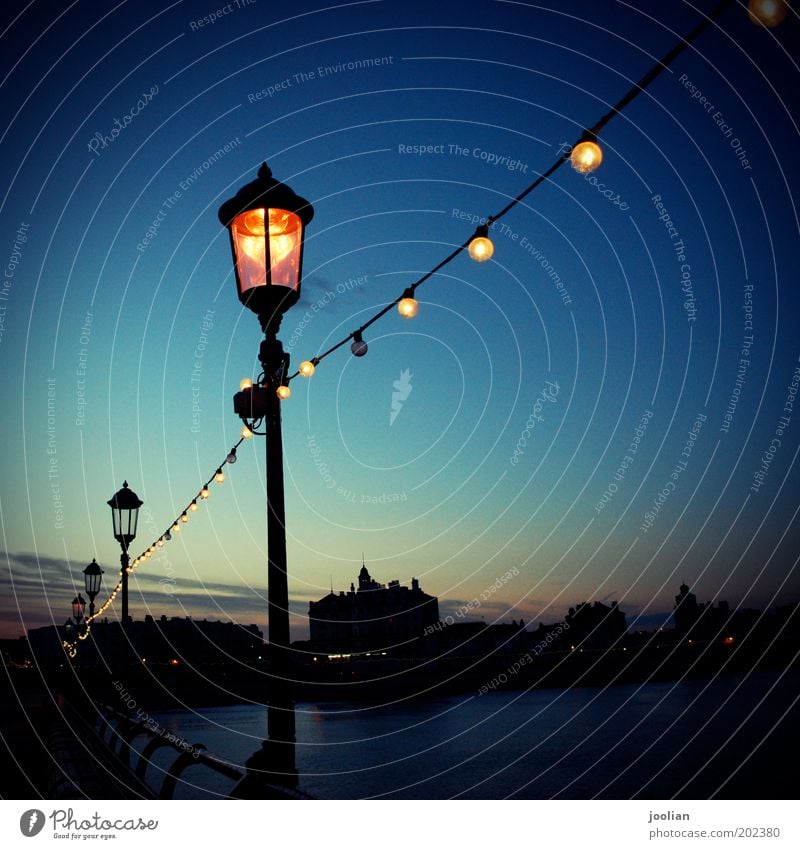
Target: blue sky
(530,375)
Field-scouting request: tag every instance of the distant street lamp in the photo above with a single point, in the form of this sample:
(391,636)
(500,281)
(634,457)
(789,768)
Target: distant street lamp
(266,221)
(125,504)
(78,606)
(92,578)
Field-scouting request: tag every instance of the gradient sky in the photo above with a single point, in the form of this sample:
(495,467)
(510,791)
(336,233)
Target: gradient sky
(147,327)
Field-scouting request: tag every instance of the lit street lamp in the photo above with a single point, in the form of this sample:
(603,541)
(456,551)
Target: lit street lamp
(92,578)
(266,221)
(125,506)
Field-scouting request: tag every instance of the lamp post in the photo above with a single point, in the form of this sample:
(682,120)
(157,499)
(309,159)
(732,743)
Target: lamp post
(125,504)
(92,578)
(78,606)
(266,221)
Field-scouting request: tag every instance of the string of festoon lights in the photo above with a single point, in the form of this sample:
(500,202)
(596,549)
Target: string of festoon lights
(584,156)
(174,528)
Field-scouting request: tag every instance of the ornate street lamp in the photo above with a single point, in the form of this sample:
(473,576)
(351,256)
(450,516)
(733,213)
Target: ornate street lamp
(125,505)
(78,606)
(266,221)
(92,578)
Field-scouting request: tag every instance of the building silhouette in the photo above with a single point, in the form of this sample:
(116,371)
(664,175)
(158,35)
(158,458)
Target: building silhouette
(371,618)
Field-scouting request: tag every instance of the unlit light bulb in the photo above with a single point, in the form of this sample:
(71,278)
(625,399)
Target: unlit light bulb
(359,346)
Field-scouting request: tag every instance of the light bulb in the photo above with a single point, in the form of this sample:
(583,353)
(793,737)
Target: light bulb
(184,518)
(481,247)
(219,477)
(307,368)
(245,383)
(408,306)
(152,549)
(768,13)
(176,528)
(193,507)
(246,432)
(283,392)
(359,346)
(204,493)
(160,543)
(168,536)
(586,156)
(231,458)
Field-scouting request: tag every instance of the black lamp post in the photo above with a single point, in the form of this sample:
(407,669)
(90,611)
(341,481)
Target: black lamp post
(125,504)
(78,606)
(92,578)
(266,221)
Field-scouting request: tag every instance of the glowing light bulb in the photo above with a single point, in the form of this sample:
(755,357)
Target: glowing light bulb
(184,518)
(481,247)
(283,392)
(307,368)
(219,477)
(408,306)
(193,507)
(586,156)
(359,346)
(245,383)
(160,543)
(176,528)
(768,13)
(246,432)
(204,493)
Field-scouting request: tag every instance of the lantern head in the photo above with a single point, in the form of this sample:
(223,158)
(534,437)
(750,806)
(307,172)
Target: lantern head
(92,576)
(266,221)
(125,506)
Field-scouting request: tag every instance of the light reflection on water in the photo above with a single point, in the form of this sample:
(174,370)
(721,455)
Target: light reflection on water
(651,741)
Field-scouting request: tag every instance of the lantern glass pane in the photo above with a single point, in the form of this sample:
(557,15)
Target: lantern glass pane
(249,235)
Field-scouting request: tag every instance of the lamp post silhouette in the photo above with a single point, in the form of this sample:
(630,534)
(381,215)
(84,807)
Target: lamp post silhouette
(92,578)
(125,504)
(266,221)
(78,606)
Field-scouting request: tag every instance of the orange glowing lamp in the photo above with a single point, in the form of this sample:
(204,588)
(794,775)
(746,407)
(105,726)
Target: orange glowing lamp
(266,221)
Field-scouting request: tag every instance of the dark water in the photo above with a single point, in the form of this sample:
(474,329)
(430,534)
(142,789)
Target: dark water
(729,738)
